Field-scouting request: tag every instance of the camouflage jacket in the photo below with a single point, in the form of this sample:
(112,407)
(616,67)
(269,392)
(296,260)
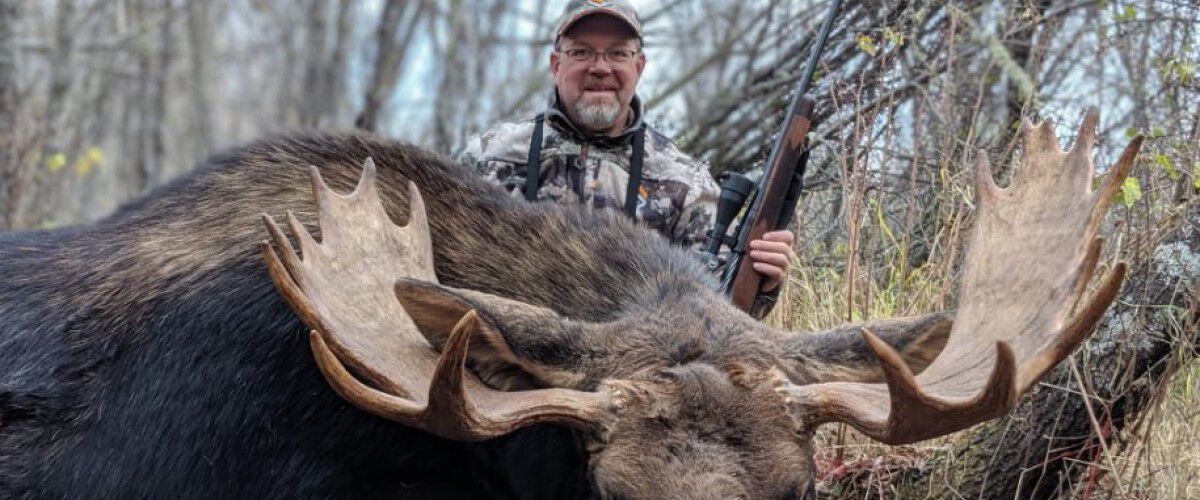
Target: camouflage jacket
(677,196)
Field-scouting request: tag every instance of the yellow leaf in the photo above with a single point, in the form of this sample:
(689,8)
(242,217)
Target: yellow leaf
(89,160)
(56,162)
(94,154)
(867,44)
(1131,192)
(893,36)
(1164,163)
(82,167)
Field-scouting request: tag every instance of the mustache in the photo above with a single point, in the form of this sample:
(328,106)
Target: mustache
(600,86)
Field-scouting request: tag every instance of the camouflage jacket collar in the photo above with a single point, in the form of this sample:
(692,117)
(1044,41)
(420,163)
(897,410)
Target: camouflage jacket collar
(563,125)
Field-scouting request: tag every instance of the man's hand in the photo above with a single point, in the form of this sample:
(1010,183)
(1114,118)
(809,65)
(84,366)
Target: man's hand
(769,256)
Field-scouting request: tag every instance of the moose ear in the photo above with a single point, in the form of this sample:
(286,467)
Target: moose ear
(841,354)
(518,345)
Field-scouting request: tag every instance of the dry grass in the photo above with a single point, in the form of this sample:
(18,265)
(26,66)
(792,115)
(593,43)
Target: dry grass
(1164,460)
(1157,457)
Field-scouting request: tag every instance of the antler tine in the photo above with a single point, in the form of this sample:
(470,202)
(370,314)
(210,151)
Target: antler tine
(906,394)
(373,401)
(1085,140)
(367,181)
(1088,268)
(447,394)
(1039,136)
(1077,331)
(986,189)
(308,245)
(342,288)
(1033,252)
(1114,182)
(288,258)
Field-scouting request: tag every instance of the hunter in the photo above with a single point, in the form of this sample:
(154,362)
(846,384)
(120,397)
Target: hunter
(592,146)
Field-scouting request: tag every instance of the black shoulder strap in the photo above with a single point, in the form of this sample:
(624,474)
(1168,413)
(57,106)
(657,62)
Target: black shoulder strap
(635,172)
(533,166)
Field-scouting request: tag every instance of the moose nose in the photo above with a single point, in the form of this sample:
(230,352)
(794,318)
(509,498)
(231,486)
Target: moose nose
(712,487)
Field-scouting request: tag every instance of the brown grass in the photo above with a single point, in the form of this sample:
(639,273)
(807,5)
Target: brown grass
(1158,456)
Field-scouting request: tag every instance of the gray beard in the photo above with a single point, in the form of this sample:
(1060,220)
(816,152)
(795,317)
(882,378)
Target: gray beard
(597,116)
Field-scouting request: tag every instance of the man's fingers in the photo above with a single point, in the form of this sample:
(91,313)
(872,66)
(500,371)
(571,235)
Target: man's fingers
(769,257)
(775,259)
(781,236)
(768,270)
(771,246)
(772,276)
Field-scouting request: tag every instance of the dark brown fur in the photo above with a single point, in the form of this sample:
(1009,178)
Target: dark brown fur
(148,355)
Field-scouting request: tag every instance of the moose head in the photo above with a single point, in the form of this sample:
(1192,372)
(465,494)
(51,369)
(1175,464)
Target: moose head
(730,415)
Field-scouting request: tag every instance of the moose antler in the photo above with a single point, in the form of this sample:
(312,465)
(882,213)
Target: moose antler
(1033,253)
(343,288)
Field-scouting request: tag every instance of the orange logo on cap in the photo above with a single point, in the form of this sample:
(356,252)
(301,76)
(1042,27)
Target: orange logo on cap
(599,3)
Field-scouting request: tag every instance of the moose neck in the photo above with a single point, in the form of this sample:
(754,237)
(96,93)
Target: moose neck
(582,263)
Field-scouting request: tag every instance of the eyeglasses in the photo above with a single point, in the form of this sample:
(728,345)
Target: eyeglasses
(612,56)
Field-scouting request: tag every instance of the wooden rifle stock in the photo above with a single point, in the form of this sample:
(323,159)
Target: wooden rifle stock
(767,205)
(784,170)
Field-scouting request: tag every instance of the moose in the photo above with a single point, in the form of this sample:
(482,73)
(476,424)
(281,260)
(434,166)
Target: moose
(427,336)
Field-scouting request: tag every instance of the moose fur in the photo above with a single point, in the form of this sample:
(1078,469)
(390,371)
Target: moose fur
(148,355)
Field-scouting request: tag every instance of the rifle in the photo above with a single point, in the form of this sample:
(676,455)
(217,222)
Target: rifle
(774,198)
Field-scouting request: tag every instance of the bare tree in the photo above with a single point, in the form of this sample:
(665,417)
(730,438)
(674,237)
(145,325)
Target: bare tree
(199,34)
(11,178)
(314,61)
(391,50)
(1022,45)
(60,76)
(334,83)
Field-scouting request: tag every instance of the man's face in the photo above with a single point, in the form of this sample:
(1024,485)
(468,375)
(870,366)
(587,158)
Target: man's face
(596,93)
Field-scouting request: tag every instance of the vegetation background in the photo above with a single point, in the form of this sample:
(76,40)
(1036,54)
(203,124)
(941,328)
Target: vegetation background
(103,100)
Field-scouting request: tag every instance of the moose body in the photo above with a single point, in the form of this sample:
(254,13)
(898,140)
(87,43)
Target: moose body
(149,355)
(154,355)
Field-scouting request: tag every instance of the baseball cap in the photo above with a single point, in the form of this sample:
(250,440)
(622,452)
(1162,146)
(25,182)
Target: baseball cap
(579,9)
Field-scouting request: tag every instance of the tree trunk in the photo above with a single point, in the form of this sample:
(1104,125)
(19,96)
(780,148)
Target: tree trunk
(315,63)
(60,77)
(1020,44)
(12,178)
(390,55)
(158,108)
(200,48)
(335,79)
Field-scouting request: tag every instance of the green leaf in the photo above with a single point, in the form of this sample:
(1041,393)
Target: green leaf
(1131,192)
(1127,14)
(1156,132)
(1196,174)
(1186,71)
(1131,132)
(1164,163)
(1180,70)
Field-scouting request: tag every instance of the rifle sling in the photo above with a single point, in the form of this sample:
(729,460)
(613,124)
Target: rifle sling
(635,172)
(533,165)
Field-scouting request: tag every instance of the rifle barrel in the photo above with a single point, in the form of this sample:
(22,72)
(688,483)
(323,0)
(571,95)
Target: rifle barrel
(810,67)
